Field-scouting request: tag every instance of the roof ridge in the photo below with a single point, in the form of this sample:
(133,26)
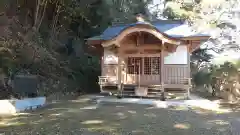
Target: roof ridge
(167,21)
(119,24)
(151,22)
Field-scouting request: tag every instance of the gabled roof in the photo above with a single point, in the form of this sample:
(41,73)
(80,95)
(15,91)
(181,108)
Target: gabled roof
(175,29)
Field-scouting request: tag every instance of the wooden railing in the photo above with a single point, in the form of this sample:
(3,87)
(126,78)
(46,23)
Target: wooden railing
(102,80)
(107,80)
(172,74)
(175,74)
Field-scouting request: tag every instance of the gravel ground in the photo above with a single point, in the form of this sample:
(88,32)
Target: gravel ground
(81,117)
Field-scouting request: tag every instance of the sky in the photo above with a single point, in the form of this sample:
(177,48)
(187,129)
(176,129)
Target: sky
(226,56)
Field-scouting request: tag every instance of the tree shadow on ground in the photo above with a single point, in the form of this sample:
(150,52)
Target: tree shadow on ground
(88,118)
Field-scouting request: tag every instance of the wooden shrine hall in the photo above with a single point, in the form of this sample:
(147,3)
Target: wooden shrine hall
(146,59)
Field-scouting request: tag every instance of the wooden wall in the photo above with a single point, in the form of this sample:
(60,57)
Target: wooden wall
(144,47)
(174,74)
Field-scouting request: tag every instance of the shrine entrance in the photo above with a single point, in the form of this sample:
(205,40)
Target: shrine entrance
(143,70)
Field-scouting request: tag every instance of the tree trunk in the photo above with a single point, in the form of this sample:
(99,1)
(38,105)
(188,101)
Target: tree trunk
(43,15)
(55,19)
(36,12)
(39,13)
(2,81)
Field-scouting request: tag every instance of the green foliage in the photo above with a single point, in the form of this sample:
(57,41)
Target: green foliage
(227,72)
(201,55)
(124,11)
(7,57)
(200,58)
(46,35)
(180,10)
(3,5)
(201,78)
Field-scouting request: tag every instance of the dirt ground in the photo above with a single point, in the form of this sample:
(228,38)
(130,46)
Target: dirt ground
(82,117)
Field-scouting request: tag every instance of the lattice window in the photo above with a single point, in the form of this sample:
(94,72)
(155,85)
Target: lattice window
(151,65)
(155,67)
(147,65)
(130,66)
(134,65)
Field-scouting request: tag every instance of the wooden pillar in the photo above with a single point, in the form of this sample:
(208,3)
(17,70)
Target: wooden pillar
(189,71)
(162,62)
(102,65)
(189,61)
(103,62)
(162,71)
(102,71)
(119,72)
